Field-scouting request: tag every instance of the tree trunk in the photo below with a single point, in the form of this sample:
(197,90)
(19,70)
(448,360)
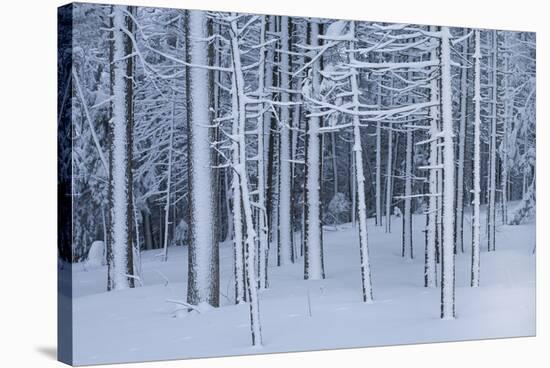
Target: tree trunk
(379,162)
(447,248)
(407,216)
(360,179)
(168,184)
(238,222)
(389,179)
(272,128)
(203,273)
(430,257)
(505,132)
(262,215)
(493,149)
(239,166)
(285,254)
(313,234)
(334,163)
(474,276)
(119,260)
(461,151)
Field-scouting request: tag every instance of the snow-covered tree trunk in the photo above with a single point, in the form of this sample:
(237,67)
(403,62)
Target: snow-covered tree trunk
(505,132)
(447,248)
(407,250)
(284,238)
(526,207)
(430,256)
(476,226)
(203,274)
(353,187)
(120,260)
(149,242)
(378,195)
(262,215)
(227,204)
(239,166)
(313,235)
(389,180)
(360,178)
(491,207)
(169,182)
(439,172)
(440,203)
(270,129)
(504,173)
(238,224)
(334,162)
(272,180)
(524,181)
(136,249)
(296,137)
(461,151)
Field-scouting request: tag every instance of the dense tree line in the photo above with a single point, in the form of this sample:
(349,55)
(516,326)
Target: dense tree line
(192,128)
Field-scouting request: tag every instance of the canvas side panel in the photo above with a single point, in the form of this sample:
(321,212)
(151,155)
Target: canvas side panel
(64,185)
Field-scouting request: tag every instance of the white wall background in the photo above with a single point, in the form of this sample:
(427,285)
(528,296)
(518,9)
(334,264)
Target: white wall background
(28,181)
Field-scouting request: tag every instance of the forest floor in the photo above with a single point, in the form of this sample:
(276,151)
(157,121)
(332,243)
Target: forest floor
(139,324)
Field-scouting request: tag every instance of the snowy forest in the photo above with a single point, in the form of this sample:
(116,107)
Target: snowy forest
(233,182)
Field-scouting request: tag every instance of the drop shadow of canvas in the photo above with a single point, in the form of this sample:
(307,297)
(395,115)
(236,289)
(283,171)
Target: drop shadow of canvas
(47,351)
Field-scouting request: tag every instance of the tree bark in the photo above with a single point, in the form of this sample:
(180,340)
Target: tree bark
(447,259)
(285,254)
(474,276)
(203,270)
(313,234)
(119,258)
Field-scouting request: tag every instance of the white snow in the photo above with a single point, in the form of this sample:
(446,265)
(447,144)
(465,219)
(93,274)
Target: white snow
(335,31)
(339,205)
(181,233)
(137,324)
(96,254)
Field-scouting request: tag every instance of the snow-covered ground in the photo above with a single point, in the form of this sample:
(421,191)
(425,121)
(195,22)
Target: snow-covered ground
(139,324)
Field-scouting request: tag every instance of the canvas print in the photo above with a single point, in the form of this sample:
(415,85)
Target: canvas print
(235,184)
